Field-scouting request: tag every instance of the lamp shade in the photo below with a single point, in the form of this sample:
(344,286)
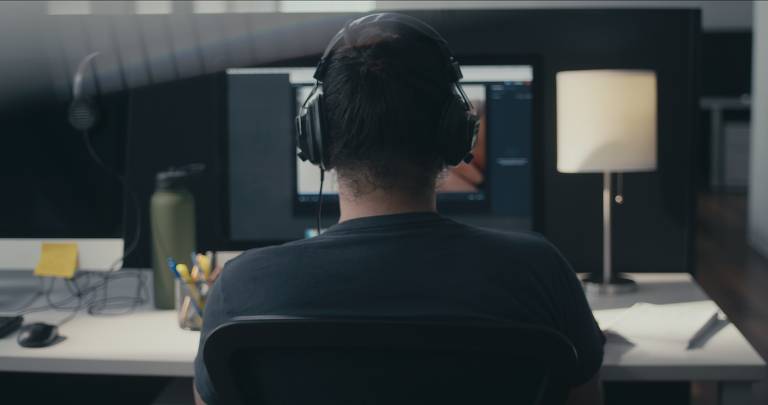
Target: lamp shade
(606,121)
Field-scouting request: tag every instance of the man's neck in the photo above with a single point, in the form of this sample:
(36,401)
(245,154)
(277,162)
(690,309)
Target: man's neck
(380,202)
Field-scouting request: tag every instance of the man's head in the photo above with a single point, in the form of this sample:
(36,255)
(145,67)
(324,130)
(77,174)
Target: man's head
(386,87)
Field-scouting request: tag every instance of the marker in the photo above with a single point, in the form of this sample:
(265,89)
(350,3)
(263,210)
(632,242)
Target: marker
(194,292)
(211,260)
(195,265)
(705,329)
(205,265)
(172,265)
(181,272)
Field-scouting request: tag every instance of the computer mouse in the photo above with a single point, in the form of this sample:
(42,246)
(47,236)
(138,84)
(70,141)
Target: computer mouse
(37,334)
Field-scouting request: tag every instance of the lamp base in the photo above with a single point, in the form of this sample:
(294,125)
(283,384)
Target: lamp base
(593,284)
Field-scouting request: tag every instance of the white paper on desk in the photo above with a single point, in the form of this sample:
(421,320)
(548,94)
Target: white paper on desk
(675,324)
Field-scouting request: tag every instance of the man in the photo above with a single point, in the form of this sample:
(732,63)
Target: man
(387,89)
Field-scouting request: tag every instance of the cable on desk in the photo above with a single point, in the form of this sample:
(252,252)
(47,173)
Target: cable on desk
(77,308)
(53,305)
(31,300)
(90,291)
(117,305)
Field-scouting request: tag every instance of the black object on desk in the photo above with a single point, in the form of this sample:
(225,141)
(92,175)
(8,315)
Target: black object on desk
(9,324)
(38,334)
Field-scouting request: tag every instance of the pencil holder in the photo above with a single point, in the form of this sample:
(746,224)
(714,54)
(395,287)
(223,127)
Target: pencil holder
(191,288)
(189,307)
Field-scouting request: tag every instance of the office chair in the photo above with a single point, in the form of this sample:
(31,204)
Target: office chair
(283,360)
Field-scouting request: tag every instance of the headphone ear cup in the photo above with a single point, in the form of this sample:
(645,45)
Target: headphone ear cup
(309,131)
(82,114)
(473,128)
(302,136)
(458,131)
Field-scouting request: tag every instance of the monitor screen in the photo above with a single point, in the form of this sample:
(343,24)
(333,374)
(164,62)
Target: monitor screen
(272,194)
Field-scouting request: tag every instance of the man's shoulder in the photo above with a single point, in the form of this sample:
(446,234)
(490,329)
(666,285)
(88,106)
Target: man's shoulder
(523,247)
(524,240)
(267,256)
(529,250)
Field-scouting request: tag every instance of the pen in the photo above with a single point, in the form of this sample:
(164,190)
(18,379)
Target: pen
(195,267)
(211,260)
(172,265)
(704,330)
(182,273)
(193,258)
(194,292)
(205,265)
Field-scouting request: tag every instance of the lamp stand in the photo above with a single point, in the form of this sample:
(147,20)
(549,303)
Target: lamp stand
(607,283)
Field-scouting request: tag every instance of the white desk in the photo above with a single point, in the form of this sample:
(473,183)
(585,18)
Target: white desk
(150,343)
(146,342)
(726,358)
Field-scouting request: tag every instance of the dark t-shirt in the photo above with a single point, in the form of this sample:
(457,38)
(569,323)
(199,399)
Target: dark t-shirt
(408,265)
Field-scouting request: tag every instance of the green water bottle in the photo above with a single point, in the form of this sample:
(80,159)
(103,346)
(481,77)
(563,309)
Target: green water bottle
(172,218)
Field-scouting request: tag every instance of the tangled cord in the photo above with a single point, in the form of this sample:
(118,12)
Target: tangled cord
(90,291)
(94,295)
(105,305)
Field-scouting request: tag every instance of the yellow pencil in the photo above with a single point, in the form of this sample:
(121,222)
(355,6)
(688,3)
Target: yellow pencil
(183,271)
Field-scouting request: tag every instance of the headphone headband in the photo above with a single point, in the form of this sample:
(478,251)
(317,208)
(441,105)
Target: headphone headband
(396,21)
(458,122)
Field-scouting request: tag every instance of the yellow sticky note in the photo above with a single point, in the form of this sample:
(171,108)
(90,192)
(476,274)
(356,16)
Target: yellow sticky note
(57,260)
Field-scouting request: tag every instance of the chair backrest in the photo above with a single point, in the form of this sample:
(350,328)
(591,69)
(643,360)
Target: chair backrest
(285,360)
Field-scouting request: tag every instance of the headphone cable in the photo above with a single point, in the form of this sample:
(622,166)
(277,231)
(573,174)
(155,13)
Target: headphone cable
(320,202)
(127,189)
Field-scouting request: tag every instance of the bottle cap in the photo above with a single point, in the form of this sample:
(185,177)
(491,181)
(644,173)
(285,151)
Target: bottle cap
(177,176)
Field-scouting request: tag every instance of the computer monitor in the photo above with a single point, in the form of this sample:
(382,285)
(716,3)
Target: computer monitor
(54,191)
(466,188)
(494,190)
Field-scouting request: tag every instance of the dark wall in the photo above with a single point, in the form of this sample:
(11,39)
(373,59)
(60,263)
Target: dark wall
(726,71)
(174,124)
(53,187)
(653,230)
(726,63)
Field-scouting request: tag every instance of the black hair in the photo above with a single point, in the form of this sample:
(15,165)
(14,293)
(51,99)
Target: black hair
(384,94)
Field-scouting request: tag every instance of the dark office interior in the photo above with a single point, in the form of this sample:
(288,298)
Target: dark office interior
(200,96)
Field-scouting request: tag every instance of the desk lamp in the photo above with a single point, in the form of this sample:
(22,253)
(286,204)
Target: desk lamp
(606,123)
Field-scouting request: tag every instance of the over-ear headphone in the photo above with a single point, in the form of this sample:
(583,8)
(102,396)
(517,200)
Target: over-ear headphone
(82,111)
(458,123)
